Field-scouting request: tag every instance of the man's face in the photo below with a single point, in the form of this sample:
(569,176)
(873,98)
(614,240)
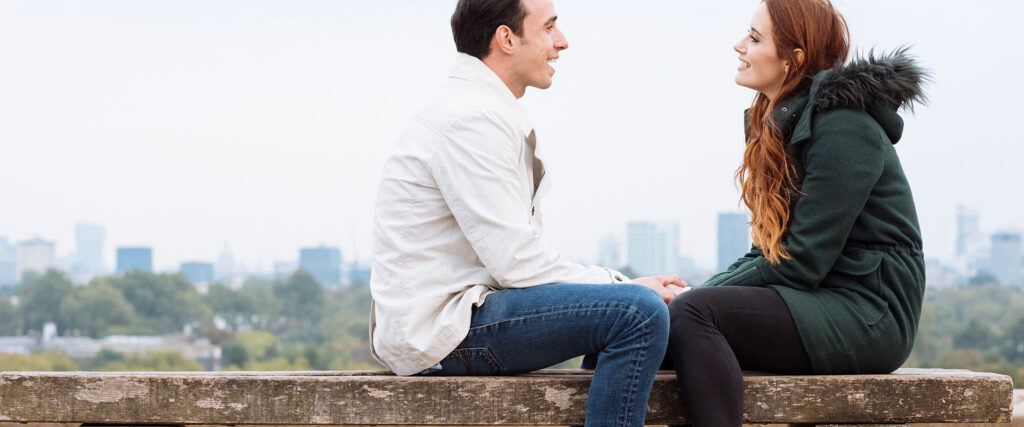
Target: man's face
(540,44)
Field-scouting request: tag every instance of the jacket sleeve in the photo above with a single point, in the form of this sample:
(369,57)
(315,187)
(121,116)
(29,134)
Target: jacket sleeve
(842,165)
(733,276)
(477,169)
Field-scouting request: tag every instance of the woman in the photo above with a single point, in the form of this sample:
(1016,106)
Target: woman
(834,282)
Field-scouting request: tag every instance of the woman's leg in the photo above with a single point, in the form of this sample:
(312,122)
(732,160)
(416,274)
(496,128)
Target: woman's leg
(520,330)
(718,331)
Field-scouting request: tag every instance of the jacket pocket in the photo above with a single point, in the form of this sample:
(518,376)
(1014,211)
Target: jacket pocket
(859,271)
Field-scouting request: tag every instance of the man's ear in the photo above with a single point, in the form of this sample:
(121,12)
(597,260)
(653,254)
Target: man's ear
(504,39)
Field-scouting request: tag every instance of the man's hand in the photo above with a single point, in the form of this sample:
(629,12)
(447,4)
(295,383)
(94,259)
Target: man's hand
(666,285)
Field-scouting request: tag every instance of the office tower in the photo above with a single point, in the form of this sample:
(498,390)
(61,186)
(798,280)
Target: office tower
(134,259)
(225,269)
(324,263)
(968,234)
(89,247)
(8,263)
(197,272)
(35,255)
(609,254)
(653,248)
(733,238)
(1005,261)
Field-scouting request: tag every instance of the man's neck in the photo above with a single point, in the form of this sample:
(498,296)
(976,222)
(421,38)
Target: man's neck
(504,69)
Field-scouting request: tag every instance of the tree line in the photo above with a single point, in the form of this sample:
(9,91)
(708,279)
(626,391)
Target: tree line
(292,323)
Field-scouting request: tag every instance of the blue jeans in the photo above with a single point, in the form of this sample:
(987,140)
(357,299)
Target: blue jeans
(623,328)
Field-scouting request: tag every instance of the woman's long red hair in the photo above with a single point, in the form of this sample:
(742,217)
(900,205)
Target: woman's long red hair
(768,177)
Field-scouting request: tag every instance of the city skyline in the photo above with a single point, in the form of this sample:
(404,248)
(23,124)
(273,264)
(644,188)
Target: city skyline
(262,126)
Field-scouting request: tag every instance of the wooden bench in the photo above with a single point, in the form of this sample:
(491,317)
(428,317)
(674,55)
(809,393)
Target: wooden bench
(539,398)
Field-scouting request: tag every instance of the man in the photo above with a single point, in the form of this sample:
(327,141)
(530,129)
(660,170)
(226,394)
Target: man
(463,283)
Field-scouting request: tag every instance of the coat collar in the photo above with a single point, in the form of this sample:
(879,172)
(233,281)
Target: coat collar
(471,69)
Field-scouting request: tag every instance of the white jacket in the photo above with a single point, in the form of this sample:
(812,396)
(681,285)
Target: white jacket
(458,217)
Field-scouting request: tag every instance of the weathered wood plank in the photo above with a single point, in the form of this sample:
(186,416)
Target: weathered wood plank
(541,398)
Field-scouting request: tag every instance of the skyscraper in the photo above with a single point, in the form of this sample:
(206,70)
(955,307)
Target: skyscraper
(89,247)
(1005,261)
(8,263)
(323,262)
(653,248)
(35,255)
(968,234)
(134,258)
(610,255)
(197,272)
(733,238)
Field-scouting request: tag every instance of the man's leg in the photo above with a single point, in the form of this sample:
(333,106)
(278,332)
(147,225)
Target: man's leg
(521,330)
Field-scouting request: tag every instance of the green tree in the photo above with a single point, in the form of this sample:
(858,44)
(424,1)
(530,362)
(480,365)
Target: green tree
(45,362)
(164,303)
(154,361)
(96,308)
(10,318)
(40,300)
(105,357)
(976,335)
(1013,343)
(301,297)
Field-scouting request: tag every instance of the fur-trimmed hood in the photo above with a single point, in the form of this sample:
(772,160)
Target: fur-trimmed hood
(880,85)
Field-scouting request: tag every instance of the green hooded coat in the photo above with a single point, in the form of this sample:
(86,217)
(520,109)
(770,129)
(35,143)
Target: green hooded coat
(856,280)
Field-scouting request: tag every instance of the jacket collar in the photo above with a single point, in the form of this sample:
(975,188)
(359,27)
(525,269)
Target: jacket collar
(471,69)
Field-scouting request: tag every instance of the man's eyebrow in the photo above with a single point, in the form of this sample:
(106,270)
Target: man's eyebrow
(550,20)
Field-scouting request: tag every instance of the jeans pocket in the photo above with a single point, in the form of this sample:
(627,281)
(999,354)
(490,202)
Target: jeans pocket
(471,361)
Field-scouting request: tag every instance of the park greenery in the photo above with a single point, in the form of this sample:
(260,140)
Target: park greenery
(295,323)
(292,323)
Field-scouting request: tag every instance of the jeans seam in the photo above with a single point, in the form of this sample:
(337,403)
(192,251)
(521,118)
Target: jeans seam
(638,358)
(627,309)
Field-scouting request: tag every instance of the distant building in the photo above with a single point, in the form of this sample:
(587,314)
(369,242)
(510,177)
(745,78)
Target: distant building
(358,273)
(197,272)
(733,238)
(323,262)
(284,268)
(968,232)
(652,248)
(8,263)
(1005,261)
(134,258)
(35,255)
(939,275)
(89,247)
(225,269)
(610,253)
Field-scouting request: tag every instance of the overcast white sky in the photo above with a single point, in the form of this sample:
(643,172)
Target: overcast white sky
(185,125)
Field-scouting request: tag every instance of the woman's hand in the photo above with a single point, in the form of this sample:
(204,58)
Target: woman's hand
(667,285)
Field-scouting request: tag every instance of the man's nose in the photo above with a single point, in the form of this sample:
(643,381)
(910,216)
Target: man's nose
(561,43)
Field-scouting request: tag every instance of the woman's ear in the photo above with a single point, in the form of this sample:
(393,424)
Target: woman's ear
(798,56)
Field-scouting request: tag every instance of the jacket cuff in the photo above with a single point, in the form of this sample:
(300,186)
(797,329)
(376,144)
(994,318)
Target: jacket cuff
(617,277)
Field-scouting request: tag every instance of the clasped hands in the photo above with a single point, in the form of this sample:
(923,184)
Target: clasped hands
(667,285)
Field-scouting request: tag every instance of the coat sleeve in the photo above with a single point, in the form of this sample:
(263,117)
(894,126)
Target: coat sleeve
(842,165)
(477,169)
(730,276)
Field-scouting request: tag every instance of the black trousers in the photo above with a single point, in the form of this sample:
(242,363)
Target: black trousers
(717,333)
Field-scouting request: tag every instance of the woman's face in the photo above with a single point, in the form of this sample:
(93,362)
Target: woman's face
(760,67)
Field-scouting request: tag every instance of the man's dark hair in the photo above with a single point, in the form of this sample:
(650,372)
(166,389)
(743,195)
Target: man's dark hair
(475,21)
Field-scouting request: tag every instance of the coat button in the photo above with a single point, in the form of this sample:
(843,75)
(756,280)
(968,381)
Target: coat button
(533,210)
(619,278)
(784,109)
